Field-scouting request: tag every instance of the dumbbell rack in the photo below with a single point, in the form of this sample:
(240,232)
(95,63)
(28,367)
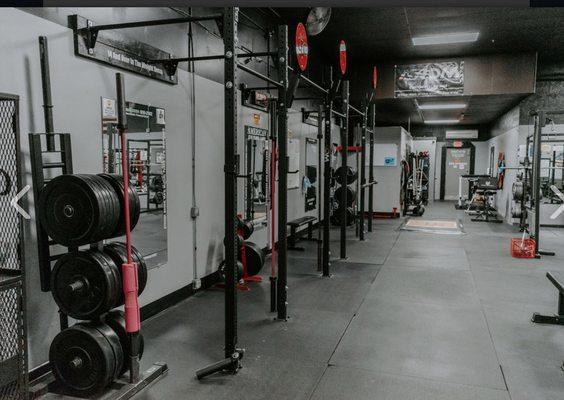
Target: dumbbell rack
(45,385)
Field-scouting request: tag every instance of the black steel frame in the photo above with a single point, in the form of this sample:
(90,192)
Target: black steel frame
(345,92)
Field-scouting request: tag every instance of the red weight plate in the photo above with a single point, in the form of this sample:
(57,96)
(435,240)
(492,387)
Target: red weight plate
(343,57)
(301,46)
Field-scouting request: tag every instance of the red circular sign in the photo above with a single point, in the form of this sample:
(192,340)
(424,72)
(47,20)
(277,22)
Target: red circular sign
(301,46)
(343,57)
(375,77)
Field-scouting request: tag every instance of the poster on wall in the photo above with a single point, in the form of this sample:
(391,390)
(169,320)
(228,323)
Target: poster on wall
(385,155)
(430,79)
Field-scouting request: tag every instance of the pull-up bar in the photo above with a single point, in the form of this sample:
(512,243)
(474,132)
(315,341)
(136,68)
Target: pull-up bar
(154,22)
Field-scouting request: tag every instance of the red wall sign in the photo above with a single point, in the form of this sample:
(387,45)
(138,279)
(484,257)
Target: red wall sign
(375,77)
(301,46)
(343,57)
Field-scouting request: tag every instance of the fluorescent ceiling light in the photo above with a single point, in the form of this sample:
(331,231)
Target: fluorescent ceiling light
(461,37)
(444,106)
(442,121)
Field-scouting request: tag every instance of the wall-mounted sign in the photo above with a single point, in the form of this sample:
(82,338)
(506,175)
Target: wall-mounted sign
(430,79)
(140,117)
(302,48)
(114,48)
(343,57)
(254,131)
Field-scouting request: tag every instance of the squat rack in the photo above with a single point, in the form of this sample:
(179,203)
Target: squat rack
(229,19)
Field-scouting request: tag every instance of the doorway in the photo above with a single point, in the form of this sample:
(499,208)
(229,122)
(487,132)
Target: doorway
(457,160)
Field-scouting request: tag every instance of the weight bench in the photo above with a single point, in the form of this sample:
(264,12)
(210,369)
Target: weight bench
(295,235)
(487,188)
(557,279)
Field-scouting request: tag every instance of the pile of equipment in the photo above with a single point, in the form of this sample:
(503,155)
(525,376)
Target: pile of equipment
(250,256)
(352,176)
(414,194)
(77,210)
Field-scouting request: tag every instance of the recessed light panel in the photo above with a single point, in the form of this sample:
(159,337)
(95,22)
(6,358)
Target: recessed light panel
(448,38)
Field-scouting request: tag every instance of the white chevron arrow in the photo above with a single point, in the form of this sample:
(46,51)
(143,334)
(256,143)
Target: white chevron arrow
(14,202)
(561,196)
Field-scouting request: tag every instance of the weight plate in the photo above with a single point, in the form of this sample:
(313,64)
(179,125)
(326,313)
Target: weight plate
(70,210)
(116,182)
(351,175)
(83,284)
(157,198)
(118,253)
(336,217)
(156,183)
(245,228)
(116,321)
(518,190)
(116,295)
(114,341)
(255,257)
(114,203)
(221,270)
(82,360)
(351,194)
(108,202)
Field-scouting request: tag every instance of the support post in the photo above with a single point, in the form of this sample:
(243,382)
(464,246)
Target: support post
(327,185)
(344,158)
(282,292)
(230,76)
(538,117)
(371,167)
(362,170)
(319,188)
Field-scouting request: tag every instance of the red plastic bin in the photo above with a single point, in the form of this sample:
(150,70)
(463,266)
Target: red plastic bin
(523,248)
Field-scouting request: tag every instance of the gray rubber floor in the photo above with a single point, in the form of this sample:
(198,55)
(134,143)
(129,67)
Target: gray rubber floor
(408,316)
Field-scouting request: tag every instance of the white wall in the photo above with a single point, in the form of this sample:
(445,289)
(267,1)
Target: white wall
(77,85)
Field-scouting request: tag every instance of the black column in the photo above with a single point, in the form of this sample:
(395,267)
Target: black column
(344,158)
(230,168)
(282,295)
(327,186)
(371,167)
(362,171)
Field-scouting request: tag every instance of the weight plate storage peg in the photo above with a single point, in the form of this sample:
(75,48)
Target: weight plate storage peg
(76,210)
(86,358)
(351,175)
(116,321)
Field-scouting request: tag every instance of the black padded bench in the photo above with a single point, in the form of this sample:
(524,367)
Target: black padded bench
(294,235)
(557,279)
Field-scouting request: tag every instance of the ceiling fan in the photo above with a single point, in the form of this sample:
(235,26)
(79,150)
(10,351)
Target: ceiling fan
(317,20)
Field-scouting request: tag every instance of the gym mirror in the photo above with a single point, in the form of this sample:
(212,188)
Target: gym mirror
(552,169)
(146,152)
(256,159)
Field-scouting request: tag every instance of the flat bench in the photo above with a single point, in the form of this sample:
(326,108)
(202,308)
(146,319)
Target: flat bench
(557,279)
(295,235)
